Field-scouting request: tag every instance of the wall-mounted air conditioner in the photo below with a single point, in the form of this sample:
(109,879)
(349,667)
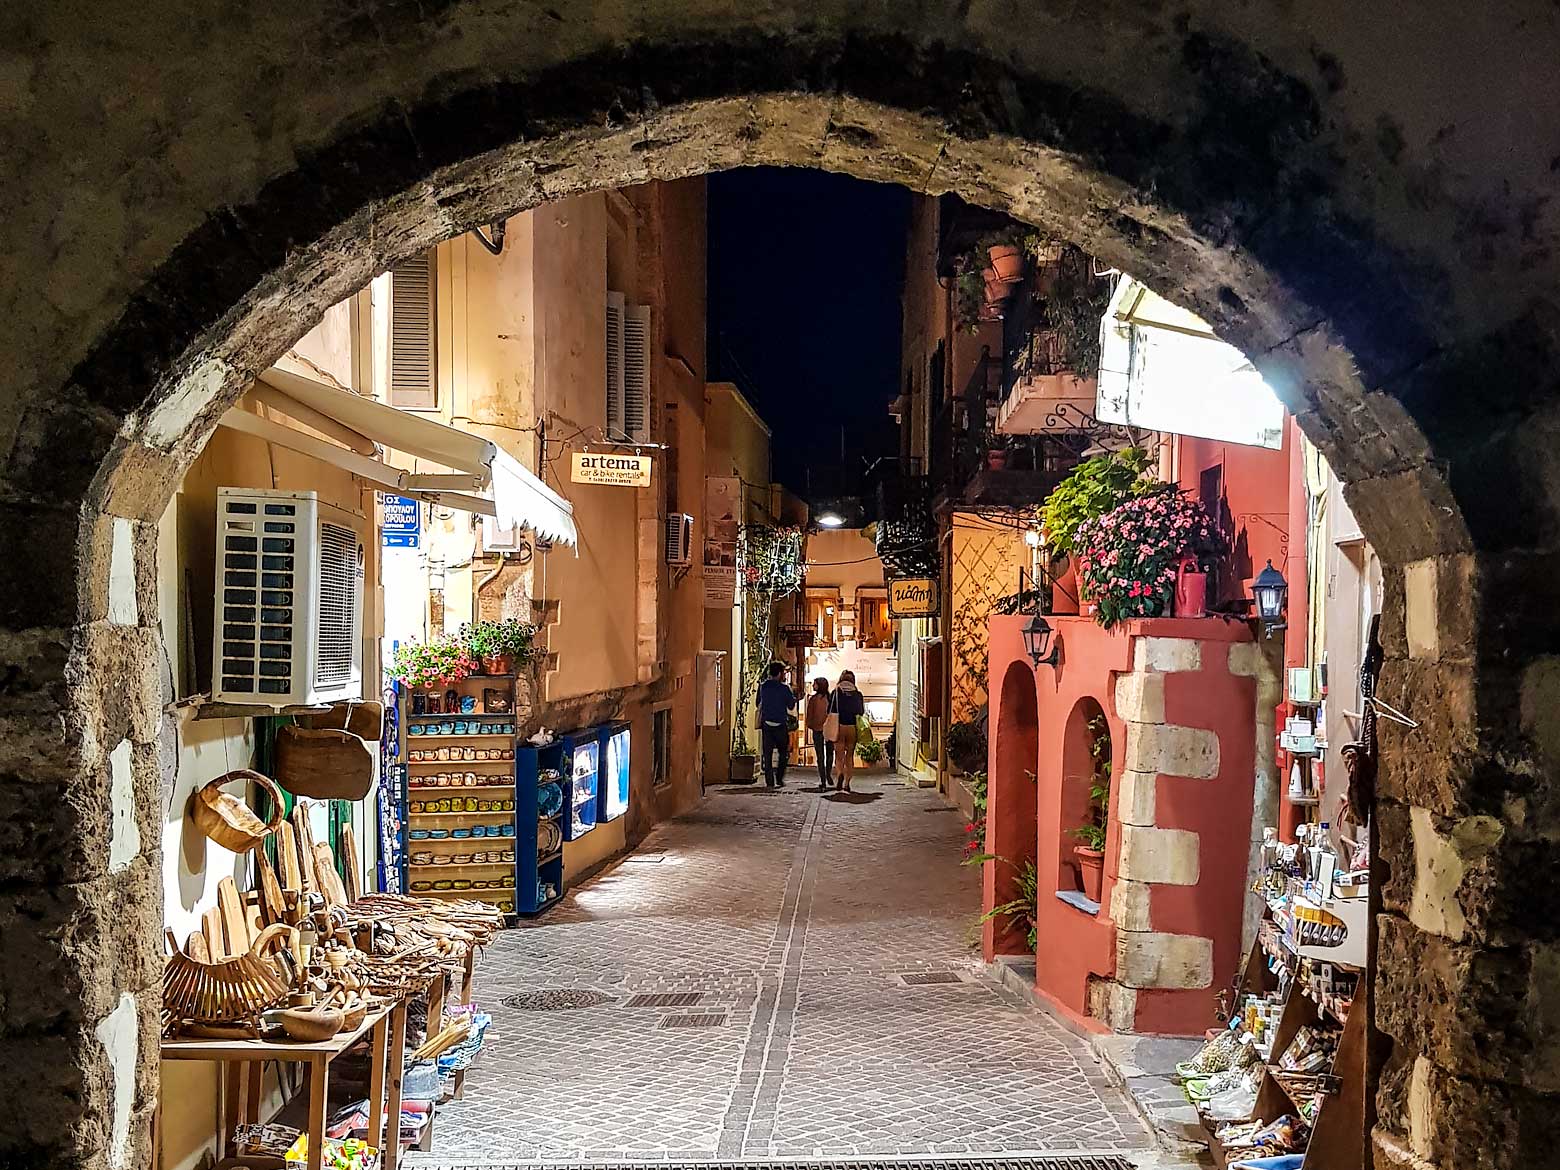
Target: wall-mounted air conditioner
(679,539)
(289,600)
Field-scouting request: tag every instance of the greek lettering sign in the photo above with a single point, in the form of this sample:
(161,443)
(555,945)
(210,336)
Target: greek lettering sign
(402,522)
(611,470)
(912,597)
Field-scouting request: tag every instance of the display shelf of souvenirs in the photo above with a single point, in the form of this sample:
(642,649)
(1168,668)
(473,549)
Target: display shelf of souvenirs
(540,803)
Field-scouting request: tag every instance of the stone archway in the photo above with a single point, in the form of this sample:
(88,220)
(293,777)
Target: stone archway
(1010,804)
(1369,222)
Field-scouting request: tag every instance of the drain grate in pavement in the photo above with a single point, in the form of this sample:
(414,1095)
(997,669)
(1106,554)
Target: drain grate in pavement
(890,1162)
(693,1020)
(928,978)
(665,999)
(557,999)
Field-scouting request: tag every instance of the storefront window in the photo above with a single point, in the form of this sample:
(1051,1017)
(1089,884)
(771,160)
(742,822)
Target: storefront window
(873,629)
(823,609)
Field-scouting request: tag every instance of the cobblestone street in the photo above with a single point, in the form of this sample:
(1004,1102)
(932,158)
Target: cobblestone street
(834,1003)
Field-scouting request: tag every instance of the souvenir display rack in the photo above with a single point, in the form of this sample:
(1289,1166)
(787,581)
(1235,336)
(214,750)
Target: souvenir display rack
(458,799)
(581,768)
(540,809)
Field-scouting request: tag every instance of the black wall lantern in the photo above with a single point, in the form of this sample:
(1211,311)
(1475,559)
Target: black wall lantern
(1271,593)
(1037,640)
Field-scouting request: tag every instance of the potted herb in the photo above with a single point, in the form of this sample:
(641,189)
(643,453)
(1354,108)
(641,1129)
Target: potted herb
(1090,850)
(432,664)
(500,646)
(1129,557)
(744,761)
(868,750)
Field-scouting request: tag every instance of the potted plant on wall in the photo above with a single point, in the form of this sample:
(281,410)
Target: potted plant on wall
(1090,850)
(500,646)
(1128,559)
(1092,489)
(431,664)
(744,762)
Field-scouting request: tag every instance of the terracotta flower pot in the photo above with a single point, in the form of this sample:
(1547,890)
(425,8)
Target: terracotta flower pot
(1191,593)
(1091,868)
(1064,597)
(1008,263)
(743,769)
(996,460)
(498,664)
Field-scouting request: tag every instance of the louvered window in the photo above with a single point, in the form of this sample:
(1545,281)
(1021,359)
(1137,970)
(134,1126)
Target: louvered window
(628,370)
(413,352)
(338,610)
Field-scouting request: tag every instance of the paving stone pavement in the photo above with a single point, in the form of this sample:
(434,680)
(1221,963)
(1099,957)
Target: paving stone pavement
(796,920)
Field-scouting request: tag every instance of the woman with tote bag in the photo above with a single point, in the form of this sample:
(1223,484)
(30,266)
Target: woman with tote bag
(845,707)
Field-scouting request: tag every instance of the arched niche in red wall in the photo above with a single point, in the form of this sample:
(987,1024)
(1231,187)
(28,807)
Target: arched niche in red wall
(1011,800)
(1078,766)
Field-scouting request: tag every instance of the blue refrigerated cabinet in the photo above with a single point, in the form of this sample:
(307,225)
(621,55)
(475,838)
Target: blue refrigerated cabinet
(580,766)
(538,877)
(614,757)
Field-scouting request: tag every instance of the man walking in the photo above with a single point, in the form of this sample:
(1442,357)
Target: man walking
(775,704)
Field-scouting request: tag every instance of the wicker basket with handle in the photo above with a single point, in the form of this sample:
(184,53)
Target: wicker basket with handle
(230,822)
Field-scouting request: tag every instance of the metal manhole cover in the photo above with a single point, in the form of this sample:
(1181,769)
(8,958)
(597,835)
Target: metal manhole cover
(928,978)
(557,999)
(665,999)
(693,1020)
(1105,1161)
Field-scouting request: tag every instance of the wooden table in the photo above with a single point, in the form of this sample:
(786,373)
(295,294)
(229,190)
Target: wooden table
(243,1060)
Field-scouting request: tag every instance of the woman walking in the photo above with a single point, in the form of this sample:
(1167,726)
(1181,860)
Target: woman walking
(817,716)
(848,706)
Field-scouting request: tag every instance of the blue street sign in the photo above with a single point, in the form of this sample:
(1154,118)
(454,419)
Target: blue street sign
(403,522)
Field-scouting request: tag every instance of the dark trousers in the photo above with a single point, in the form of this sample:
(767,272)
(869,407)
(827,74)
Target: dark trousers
(825,752)
(777,742)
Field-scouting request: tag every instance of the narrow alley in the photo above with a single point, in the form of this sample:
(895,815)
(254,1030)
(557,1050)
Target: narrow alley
(831,1003)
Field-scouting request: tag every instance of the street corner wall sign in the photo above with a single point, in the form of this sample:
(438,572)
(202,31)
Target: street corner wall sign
(402,526)
(912,597)
(610,469)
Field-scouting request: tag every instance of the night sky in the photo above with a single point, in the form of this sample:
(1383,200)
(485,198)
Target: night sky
(804,283)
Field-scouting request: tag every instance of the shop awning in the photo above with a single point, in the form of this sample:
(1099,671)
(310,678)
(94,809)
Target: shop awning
(515,497)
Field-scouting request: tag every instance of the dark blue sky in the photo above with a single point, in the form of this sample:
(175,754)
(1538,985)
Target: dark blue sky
(805,270)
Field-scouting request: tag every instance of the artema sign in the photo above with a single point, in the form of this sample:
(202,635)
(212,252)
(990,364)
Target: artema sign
(912,597)
(611,470)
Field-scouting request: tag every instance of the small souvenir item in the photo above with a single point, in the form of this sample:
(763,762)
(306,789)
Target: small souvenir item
(419,703)
(452,700)
(438,834)
(468,704)
(435,704)
(471,804)
(496,701)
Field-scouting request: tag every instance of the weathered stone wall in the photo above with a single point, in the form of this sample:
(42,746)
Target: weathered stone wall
(1360,197)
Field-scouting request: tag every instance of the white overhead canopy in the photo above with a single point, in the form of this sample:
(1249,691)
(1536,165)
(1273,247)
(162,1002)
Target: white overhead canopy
(1163,369)
(518,498)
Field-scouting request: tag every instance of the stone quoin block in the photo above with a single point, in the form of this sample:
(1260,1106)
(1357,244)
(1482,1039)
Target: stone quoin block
(1245,659)
(1135,797)
(1140,698)
(1166,655)
(1192,752)
(1153,959)
(1130,904)
(1113,1004)
(1167,856)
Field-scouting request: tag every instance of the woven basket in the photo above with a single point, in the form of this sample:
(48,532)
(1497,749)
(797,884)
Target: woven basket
(230,822)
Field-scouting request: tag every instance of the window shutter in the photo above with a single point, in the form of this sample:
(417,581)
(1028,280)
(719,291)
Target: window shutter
(616,310)
(413,357)
(636,374)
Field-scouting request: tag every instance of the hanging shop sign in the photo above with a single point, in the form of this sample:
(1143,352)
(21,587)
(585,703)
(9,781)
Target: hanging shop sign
(403,522)
(611,470)
(799,634)
(912,597)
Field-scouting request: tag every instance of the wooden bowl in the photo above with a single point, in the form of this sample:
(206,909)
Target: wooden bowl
(230,822)
(311,1026)
(353,1015)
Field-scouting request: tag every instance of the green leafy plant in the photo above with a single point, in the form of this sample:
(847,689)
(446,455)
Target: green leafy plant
(770,567)
(868,749)
(1072,307)
(510,636)
(1093,488)
(1021,909)
(966,745)
(1127,558)
(975,830)
(1092,832)
(425,664)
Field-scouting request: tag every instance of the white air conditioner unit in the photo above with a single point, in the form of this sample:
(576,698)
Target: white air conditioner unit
(679,539)
(496,539)
(289,609)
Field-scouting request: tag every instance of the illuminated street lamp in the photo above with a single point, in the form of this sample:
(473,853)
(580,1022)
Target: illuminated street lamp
(831,520)
(1270,591)
(1037,641)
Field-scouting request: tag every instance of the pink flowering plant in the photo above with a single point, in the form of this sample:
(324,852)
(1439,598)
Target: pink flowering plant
(426,664)
(1128,557)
